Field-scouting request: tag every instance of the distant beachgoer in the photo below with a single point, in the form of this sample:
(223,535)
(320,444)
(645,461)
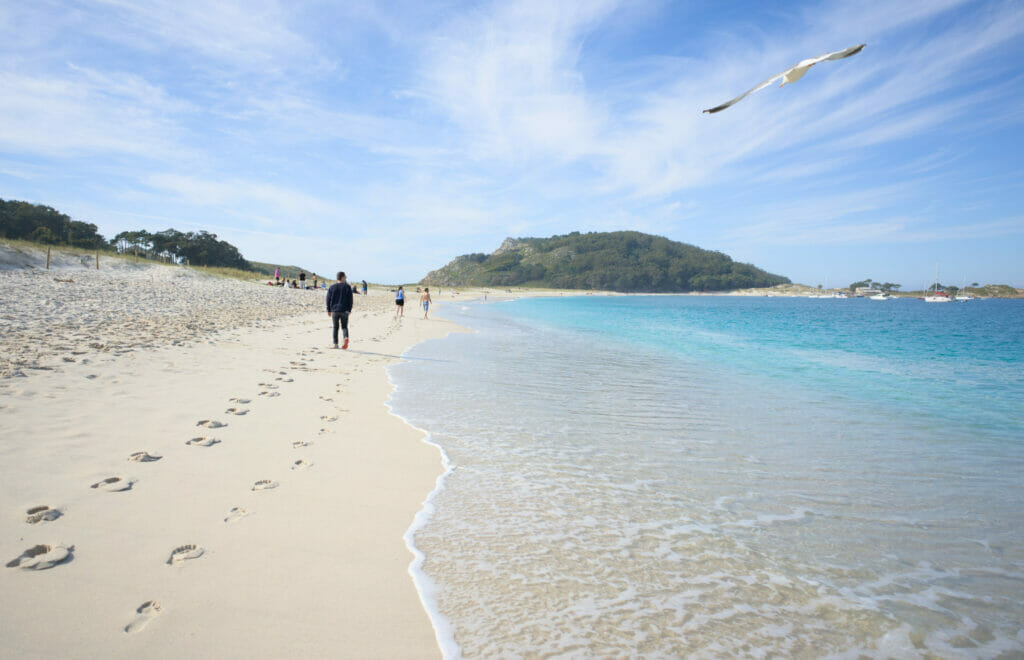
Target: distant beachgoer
(400,303)
(315,280)
(425,300)
(277,274)
(339,305)
(364,287)
(302,279)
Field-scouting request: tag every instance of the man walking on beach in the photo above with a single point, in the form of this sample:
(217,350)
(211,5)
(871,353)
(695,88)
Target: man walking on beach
(425,300)
(339,304)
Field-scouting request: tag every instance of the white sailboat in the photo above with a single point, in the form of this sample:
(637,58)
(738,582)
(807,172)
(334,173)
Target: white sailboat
(962,295)
(937,296)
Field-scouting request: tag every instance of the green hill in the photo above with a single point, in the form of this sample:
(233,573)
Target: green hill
(612,261)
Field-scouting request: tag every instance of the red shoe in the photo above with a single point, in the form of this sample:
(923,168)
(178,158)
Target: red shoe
(345,343)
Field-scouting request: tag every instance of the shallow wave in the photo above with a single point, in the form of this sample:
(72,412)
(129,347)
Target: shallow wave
(611,502)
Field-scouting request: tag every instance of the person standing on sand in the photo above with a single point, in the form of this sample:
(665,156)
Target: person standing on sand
(364,287)
(425,300)
(339,305)
(400,303)
(277,275)
(302,279)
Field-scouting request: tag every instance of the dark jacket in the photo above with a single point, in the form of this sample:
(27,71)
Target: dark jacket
(339,298)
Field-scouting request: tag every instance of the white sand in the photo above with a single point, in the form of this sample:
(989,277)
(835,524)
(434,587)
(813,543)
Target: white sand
(195,560)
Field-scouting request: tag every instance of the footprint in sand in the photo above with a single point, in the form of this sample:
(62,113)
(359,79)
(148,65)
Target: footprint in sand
(143,457)
(265,484)
(269,386)
(210,424)
(328,418)
(202,441)
(236,514)
(236,399)
(325,398)
(42,514)
(183,553)
(41,557)
(297,364)
(146,613)
(301,464)
(324,431)
(285,380)
(301,443)
(236,411)
(270,394)
(114,484)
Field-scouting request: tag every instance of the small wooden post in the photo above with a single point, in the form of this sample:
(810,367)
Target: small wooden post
(97,259)
(47,257)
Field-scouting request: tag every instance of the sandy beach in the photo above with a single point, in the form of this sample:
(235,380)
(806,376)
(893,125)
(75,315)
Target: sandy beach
(189,470)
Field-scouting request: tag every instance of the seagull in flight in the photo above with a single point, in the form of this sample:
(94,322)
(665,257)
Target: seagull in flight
(791,75)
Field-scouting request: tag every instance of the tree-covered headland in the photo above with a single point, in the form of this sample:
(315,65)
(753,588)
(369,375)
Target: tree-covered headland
(626,261)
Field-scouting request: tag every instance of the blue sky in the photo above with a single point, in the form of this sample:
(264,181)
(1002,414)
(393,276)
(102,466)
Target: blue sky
(387,138)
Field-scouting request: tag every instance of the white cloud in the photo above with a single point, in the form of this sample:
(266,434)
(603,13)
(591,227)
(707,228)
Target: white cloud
(256,199)
(249,34)
(82,111)
(509,78)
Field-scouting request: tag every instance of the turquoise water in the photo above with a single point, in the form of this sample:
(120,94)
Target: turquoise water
(719,476)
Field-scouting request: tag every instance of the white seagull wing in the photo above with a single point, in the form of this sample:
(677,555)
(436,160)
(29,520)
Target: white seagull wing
(804,64)
(759,86)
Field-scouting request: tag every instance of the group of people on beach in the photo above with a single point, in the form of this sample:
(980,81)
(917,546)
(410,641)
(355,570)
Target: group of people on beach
(339,306)
(295,284)
(301,282)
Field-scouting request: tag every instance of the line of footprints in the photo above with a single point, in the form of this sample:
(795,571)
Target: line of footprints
(43,556)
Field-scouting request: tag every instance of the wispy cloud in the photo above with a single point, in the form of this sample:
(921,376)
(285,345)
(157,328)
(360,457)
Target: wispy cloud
(508,76)
(250,35)
(82,111)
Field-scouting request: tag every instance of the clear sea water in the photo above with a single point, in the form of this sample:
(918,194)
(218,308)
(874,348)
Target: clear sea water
(724,477)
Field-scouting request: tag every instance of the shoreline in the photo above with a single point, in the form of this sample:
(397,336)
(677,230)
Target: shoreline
(425,587)
(318,564)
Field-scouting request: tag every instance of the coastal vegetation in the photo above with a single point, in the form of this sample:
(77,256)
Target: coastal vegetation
(36,223)
(626,261)
(43,224)
(974,289)
(868,283)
